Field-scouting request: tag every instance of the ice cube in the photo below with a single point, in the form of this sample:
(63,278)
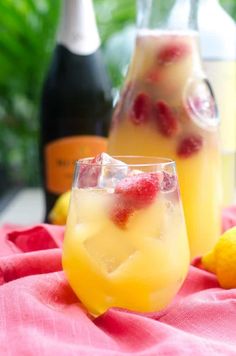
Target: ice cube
(112,171)
(149,222)
(134,172)
(88,174)
(84,231)
(109,248)
(102,171)
(91,205)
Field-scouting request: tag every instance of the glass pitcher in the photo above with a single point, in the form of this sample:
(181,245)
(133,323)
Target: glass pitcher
(167,108)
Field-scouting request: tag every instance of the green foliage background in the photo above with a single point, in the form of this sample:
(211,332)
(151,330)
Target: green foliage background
(27,38)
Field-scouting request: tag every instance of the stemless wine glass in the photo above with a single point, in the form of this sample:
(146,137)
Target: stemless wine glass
(125,243)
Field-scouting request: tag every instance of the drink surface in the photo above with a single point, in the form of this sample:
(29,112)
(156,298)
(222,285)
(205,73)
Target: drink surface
(168,110)
(139,266)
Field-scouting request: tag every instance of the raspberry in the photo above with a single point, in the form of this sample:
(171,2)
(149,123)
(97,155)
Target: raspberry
(169,182)
(141,109)
(154,76)
(166,119)
(189,146)
(133,193)
(120,215)
(172,53)
(139,191)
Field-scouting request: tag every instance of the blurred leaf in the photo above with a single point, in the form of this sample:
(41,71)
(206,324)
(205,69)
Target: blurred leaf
(27,30)
(230,6)
(114,17)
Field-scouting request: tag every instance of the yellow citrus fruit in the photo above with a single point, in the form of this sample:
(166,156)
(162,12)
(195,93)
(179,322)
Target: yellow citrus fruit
(208,261)
(225,256)
(58,214)
(222,259)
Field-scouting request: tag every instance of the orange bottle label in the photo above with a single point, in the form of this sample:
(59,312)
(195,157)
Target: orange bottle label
(61,155)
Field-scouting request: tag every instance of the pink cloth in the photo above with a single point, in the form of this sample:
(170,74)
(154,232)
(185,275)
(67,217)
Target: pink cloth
(40,315)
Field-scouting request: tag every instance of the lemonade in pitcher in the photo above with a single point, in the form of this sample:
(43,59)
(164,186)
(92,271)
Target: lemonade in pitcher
(167,109)
(125,244)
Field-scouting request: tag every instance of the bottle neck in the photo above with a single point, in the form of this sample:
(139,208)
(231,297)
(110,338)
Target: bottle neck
(179,2)
(78,29)
(210,2)
(155,14)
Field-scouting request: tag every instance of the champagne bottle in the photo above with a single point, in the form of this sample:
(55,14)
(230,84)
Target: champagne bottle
(76,100)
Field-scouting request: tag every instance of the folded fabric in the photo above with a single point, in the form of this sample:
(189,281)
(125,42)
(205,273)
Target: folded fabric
(40,314)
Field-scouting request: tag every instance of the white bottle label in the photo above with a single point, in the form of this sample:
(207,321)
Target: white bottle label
(78,31)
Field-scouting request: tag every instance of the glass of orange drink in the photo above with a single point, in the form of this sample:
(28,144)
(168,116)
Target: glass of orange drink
(125,243)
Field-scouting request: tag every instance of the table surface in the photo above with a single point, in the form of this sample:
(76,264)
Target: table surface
(26,207)
(40,315)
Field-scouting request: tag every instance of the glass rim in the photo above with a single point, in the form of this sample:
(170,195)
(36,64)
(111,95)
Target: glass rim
(152,161)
